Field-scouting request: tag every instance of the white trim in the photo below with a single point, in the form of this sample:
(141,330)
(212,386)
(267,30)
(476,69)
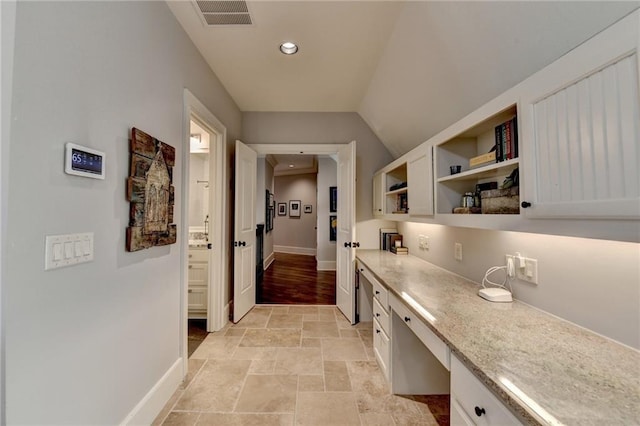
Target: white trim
(152,403)
(295,250)
(307,149)
(269,260)
(216,318)
(326,265)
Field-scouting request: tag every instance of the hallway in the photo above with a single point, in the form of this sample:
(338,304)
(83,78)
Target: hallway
(293,279)
(286,365)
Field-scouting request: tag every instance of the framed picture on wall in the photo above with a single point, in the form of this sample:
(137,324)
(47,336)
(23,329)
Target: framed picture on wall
(333,227)
(294,208)
(282,209)
(308,208)
(333,199)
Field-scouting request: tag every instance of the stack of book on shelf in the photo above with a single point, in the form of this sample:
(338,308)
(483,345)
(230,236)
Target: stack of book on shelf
(385,237)
(399,250)
(402,206)
(507,140)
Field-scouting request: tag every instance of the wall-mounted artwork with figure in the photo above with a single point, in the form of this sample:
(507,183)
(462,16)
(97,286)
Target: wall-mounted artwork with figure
(333,227)
(294,208)
(333,199)
(282,209)
(150,192)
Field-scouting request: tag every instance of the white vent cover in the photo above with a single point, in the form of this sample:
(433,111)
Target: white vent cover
(224,12)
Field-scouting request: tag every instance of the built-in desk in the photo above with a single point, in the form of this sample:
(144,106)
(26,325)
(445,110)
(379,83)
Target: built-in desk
(543,369)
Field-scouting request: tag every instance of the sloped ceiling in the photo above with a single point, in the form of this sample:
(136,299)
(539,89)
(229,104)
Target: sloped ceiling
(409,69)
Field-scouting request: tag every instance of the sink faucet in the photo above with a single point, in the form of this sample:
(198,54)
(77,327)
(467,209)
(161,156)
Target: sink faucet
(206,228)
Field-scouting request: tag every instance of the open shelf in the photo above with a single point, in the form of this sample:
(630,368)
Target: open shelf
(490,171)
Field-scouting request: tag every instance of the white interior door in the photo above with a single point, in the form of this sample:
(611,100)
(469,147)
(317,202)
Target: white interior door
(345,272)
(244,244)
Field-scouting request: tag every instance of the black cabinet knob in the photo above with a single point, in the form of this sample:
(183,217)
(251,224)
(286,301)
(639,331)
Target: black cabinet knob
(407,319)
(377,314)
(525,204)
(479,411)
(377,292)
(377,331)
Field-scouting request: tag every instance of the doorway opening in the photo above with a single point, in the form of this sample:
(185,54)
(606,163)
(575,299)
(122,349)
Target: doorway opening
(298,256)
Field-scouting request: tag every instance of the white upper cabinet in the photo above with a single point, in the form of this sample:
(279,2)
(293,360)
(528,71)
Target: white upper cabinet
(420,178)
(581,123)
(378,194)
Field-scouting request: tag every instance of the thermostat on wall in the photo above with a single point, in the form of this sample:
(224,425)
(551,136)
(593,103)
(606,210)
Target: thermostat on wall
(83,161)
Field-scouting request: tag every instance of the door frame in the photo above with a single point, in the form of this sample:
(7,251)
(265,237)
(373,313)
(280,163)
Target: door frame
(218,232)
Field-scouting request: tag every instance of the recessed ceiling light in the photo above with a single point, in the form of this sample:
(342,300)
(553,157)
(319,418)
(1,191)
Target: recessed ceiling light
(291,166)
(288,48)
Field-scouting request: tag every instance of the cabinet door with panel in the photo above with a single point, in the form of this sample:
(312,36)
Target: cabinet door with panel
(378,194)
(582,131)
(420,181)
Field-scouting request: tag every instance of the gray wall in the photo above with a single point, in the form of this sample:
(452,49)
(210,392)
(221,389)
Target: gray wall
(298,232)
(84,344)
(324,127)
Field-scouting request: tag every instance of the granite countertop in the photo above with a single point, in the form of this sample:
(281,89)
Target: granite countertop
(197,244)
(573,375)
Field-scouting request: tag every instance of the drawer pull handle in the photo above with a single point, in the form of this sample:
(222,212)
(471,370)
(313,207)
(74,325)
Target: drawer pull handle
(377,331)
(377,292)
(190,256)
(190,266)
(479,411)
(407,319)
(190,291)
(377,314)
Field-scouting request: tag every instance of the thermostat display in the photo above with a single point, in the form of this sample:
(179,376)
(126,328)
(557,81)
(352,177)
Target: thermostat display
(83,161)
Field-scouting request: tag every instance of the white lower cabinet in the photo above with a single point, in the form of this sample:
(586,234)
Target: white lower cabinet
(198,289)
(381,347)
(472,403)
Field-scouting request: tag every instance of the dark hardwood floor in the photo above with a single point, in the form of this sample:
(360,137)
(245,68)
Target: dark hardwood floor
(293,279)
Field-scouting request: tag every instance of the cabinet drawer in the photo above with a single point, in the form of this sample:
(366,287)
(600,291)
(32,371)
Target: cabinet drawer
(439,349)
(196,255)
(472,396)
(381,348)
(381,315)
(197,298)
(379,291)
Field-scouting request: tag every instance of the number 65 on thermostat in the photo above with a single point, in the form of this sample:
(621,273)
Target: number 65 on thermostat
(83,161)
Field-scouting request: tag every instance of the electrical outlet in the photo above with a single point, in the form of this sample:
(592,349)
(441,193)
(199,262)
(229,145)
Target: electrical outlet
(530,271)
(423,242)
(457,251)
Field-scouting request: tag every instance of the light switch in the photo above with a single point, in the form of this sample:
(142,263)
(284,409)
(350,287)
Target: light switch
(67,250)
(57,251)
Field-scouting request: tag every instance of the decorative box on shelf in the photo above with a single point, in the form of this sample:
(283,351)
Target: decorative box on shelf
(481,160)
(501,201)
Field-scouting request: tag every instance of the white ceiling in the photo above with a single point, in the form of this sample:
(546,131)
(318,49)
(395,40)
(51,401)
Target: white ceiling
(409,69)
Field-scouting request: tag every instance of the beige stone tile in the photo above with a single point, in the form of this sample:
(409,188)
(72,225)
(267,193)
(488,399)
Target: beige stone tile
(194,367)
(181,418)
(268,394)
(216,347)
(349,333)
(387,403)
(336,377)
(413,420)
(342,321)
(262,309)
(285,321)
(280,310)
(299,361)
(303,310)
(235,332)
(241,419)
(370,353)
(320,329)
(310,317)
(310,383)
(322,409)
(262,366)
(376,419)
(162,415)
(343,350)
(326,314)
(216,387)
(255,353)
(310,342)
(367,377)
(255,319)
(271,338)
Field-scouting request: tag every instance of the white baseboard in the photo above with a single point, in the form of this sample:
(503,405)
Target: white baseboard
(295,250)
(326,265)
(269,260)
(145,412)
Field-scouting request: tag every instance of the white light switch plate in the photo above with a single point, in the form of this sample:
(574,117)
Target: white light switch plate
(67,250)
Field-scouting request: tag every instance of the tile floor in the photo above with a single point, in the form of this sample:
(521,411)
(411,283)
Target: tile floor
(293,365)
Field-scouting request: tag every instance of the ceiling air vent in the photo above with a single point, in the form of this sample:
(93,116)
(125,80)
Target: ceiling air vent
(224,12)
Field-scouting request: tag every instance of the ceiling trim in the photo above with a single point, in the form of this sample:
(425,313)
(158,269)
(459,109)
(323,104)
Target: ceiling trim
(310,149)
